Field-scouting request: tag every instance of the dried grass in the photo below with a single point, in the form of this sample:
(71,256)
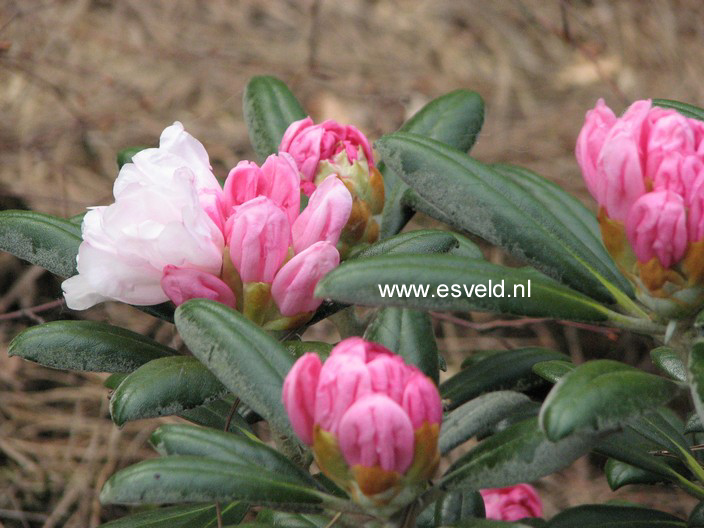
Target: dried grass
(81,79)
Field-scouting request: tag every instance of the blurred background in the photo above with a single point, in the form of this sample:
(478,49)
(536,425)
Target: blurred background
(82,79)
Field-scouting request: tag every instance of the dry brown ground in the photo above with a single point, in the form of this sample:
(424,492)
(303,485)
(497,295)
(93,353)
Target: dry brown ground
(81,79)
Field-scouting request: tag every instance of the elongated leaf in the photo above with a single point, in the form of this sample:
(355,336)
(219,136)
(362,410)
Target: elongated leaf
(668,361)
(86,345)
(696,374)
(246,359)
(694,424)
(455,119)
(410,334)
(298,348)
(520,453)
(421,241)
(553,371)
(486,202)
(477,414)
(291,520)
(125,155)
(230,449)
(178,479)
(200,515)
(696,518)
(466,248)
(685,109)
(457,506)
(601,515)
(602,395)
(509,369)
(215,415)
(41,239)
(269,108)
(568,212)
(163,387)
(619,474)
(449,283)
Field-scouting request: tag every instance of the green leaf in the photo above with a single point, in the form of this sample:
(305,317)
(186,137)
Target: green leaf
(601,395)
(619,474)
(125,155)
(520,453)
(694,424)
(488,203)
(685,109)
(298,348)
(87,346)
(696,375)
(291,520)
(601,515)
(457,506)
(269,108)
(163,387)
(41,239)
(477,414)
(190,516)
(668,361)
(509,369)
(553,371)
(246,359)
(215,414)
(466,248)
(178,479)
(232,449)
(455,119)
(569,213)
(360,281)
(421,241)
(696,518)
(410,334)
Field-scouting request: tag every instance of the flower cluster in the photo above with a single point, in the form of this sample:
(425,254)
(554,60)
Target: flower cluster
(512,503)
(330,148)
(372,421)
(173,233)
(646,171)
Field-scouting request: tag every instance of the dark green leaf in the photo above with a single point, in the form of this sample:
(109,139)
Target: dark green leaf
(189,516)
(41,239)
(269,108)
(510,369)
(113,380)
(421,241)
(466,248)
(215,415)
(601,395)
(86,345)
(694,424)
(440,282)
(298,348)
(619,474)
(553,371)
(477,414)
(696,518)
(291,520)
(669,361)
(486,202)
(410,334)
(520,453)
(455,119)
(696,374)
(685,109)
(163,387)
(178,479)
(125,155)
(244,357)
(231,449)
(457,506)
(601,515)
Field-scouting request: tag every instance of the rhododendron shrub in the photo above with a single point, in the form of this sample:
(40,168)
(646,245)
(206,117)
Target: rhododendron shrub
(271,429)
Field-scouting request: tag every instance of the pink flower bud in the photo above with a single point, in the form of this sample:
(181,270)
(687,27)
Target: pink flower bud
(421,401)
(669,138)
(299,394)
(358,347)
(657,227)
(325,215)
(597,124)
(295,282)
(259,236)
(243,183)
(512,503)
(309,144)
(182,284)
(282,183)
(376,431)
(389,375)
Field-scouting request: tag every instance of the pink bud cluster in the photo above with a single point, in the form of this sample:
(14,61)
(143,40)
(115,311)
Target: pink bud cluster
(646,171)
(512,503)
(174,233)
(375,414)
